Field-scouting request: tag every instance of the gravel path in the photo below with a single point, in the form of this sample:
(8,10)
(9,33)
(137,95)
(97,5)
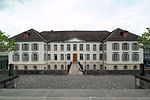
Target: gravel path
(76,82)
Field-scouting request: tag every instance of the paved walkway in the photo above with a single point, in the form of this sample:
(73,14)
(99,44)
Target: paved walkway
(76,82)
(74,94)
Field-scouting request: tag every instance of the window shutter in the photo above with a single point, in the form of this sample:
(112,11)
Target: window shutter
(127,46)
(122,57)
(22,47)
(32,47)
(128,57)
(118,57)
(113,57)
(122,46)
(37,57)
(113,46)
(118,46)
(137,57)
(23,57)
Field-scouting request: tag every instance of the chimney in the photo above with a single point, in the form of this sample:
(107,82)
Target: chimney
(125,34)
(26,35)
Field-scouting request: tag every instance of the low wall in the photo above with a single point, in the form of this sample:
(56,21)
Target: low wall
(53,72)
(113,72)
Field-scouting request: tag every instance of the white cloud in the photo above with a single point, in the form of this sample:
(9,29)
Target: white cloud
(74,14)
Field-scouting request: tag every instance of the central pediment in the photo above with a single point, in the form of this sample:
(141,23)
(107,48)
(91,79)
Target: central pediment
(75,39)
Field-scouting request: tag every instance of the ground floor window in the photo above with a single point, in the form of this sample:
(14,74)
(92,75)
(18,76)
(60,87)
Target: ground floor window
(35,67)
(135,67)
(25,67)
(16,67)
(115,67)
(62,66)
(48,67)
(101,66)
(94,66)
(87,66)
(55,66)
(125,67)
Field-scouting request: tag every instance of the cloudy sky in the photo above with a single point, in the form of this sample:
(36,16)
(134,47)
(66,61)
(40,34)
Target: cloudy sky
(17,16)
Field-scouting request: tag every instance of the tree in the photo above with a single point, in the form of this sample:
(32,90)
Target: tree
(144,40)
(6,44)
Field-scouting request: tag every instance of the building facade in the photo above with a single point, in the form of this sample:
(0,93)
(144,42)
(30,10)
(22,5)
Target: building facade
(53,50)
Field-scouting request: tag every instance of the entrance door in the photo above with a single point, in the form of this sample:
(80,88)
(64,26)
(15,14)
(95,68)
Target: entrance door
(74,57)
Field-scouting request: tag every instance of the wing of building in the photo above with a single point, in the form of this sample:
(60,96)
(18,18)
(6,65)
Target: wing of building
(52,50)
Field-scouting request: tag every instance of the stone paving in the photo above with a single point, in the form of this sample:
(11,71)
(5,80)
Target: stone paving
(76,82)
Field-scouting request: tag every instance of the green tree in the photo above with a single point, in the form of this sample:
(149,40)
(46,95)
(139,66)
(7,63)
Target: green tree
(6,44)
(144,40)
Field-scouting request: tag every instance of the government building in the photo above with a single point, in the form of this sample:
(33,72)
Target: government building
(96,50)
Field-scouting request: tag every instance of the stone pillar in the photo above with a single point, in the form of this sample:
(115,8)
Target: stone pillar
(142,73)
(11,69)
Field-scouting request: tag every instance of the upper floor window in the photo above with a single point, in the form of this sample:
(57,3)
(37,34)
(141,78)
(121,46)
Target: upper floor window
(100,47)
(49,56)
(81,47)
(75,47)
(87,47)
(15,57)
(105,47)
(61,47)
(25,47)
(45,57)
(87,56)
(125,46)
(68,47)
(125,57)
(34,47)
(55,47)
(17,47)
(81,56)
(115,46)
(62,57)
(34,57)
(135,46)
(100,56)
(55,56)
(105,56)
(44,47)
(94,56)
(25,57)
(68,56)
(135,57)
(115,57)
(49,47)
(94,47)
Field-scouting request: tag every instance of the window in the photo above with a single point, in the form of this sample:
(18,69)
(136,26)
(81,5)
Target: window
(115,67)
(87,56)
(62,66)
(16,47)
(55,66)
(34,47)
(68,47)
(101,66)
(75,47)
(25,57)
(87,47)
(44,47)
(135,57)
(125,57)
(115,57)
(81,56)
(115,46)
(125,67)
(55,47)
(34,57)
(68,56)
(25,68)
(49,56)
(25,47)
(62,56)
(62,47)
(135,46)
(94,66)
(94,56)
(35,67)
(100,56)
(48,67)
(125,46)
(16,67)
(55,56)
(87,66)
(49,47)
(100,47)
(135,67)
(94,47)
(105,56)
(45,57)
(105,47)
(81,47)
(15,57)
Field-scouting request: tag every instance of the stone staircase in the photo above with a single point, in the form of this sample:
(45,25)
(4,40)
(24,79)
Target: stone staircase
(74,69)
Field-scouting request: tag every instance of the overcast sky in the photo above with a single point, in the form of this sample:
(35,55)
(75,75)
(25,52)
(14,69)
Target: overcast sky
(17,16)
